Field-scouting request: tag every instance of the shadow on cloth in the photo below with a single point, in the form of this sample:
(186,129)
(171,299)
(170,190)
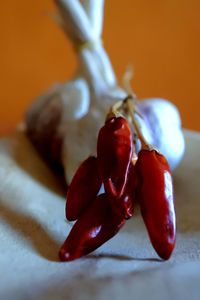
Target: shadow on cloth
(36,236)
(121,257)
(27,158)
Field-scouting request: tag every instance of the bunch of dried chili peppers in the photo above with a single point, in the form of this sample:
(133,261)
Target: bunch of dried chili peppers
(126,178)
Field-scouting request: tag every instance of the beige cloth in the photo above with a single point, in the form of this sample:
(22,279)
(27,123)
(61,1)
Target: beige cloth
(33,226)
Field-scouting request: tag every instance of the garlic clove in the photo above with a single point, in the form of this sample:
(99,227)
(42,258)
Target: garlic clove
(75,98)
(162,128)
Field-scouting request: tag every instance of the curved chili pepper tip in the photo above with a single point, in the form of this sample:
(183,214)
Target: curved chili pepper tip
(114,151)
(94,227)
(84,187)
(63,255)
(156,200)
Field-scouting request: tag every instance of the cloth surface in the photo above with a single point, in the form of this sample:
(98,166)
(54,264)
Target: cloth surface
(33,226)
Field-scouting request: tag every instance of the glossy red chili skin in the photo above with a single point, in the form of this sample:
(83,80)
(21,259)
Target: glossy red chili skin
(155,191)
(124,205)
(94,227)
(114,151)
(83,188)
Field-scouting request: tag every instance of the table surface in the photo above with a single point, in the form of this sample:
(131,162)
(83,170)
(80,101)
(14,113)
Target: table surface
(33,226)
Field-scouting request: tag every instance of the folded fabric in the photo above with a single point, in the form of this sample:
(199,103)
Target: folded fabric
(33,226)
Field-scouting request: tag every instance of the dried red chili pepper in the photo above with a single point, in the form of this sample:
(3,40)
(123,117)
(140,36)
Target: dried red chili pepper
(95,226)
(83,188)
(156,200)
(125,179)
(124,205)
(114,151)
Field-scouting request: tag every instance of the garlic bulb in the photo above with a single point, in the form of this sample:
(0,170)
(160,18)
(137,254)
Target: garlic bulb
(63,124)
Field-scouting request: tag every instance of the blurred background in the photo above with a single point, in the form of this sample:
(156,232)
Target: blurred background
(161,38)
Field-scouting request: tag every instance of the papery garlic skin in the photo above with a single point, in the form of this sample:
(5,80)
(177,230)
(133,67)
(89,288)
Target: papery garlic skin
(74,97)
(162,128)
(80,139)
(82,114)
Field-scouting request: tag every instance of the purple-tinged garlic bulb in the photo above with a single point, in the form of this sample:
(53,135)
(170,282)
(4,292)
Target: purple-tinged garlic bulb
(64,123)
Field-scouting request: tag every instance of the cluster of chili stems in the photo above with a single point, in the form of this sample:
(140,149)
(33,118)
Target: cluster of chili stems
(127,178)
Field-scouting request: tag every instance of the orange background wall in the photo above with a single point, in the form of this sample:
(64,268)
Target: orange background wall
(161,38)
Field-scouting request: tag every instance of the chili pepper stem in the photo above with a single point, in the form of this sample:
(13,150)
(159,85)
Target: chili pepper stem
(130,107)
(115,110)
(128,102)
